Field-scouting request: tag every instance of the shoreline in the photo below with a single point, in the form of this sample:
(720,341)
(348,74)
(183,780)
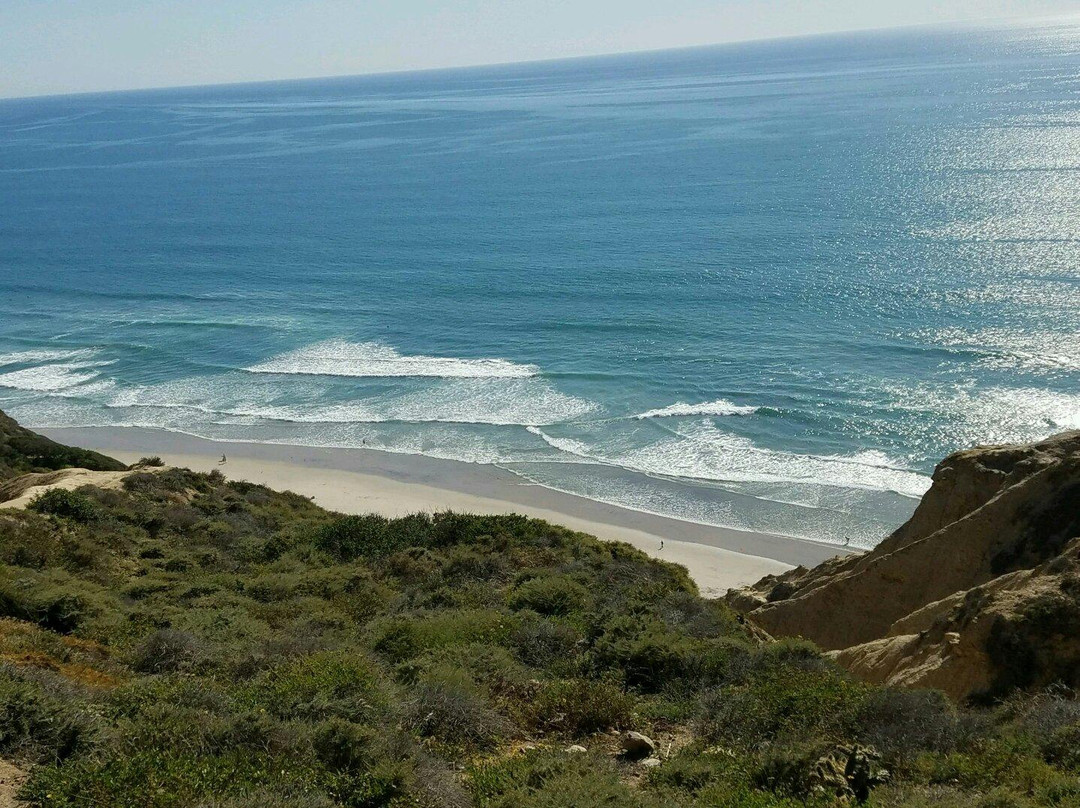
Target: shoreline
(369,480)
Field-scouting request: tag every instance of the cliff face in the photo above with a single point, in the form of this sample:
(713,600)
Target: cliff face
(978,593)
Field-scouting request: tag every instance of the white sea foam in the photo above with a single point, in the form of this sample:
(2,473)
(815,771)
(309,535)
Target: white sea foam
(372,359)
(46,355)
(703,452)
(720,407)
(48,378)
(568,445)
(464,401)
(527,402)
(91,390)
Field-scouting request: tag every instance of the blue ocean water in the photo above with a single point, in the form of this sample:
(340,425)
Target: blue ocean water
(763,285)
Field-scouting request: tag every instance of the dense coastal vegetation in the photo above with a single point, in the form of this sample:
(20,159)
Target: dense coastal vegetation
(23,451)
(183,640)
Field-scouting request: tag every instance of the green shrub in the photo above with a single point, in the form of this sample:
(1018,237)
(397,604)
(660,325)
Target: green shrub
(784,705)
(38,725)
(904,724)
(988,764)
(22,450)
(48,607)
(332,684)
(465,565)
(787,770)
(549,595)
(689,614)
(166,651)
(578,707)
(403,638)
(1062,747)
(343,746)
(72,505)
(29,541)
(695,769)
(449,707)
(173,778)
(220,645)
(134,699)
(161,485)
(350,537)
(553,779)
(649,655)
(371,536)
(544,643)
(492,667)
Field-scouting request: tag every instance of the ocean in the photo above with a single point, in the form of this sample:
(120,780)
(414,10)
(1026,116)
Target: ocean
(763,285)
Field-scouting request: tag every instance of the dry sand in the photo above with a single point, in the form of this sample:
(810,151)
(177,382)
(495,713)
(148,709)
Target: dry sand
(365,481)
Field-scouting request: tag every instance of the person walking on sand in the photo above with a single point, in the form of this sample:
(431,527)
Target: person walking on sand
(661,544)
(222,460)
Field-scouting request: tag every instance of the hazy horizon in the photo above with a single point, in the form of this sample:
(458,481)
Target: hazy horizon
(104,50)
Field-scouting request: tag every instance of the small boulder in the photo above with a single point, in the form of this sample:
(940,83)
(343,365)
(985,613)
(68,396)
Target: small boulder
(635,745)
(651,763)
(576,749)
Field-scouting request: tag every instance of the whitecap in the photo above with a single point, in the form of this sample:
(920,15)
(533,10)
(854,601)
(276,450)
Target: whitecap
(47,378)
(46,355)
(501,402)
(568,445)
(372,359)
(525,402)
(721,407)
(704,452)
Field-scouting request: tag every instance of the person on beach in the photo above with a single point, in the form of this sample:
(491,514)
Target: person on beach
(661,544)
(222,460)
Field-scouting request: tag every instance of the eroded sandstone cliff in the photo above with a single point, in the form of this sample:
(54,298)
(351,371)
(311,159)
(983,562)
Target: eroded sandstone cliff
(978,593)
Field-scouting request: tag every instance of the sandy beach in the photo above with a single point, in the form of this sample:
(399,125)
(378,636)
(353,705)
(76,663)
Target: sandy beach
(365,481)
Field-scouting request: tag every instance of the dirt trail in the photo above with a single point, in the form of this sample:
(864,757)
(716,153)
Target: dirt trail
(11,780)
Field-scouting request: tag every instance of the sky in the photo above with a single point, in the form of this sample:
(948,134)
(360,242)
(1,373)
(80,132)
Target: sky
(63,46)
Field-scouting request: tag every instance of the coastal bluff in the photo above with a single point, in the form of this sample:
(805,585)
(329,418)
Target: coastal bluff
(976,595)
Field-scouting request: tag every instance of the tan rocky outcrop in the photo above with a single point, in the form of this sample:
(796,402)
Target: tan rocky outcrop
(983,579)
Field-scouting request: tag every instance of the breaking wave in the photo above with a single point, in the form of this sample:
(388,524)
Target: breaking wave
(372,359)
(720,407)
(48,378)
(501,402)
(704,452)
(46,355)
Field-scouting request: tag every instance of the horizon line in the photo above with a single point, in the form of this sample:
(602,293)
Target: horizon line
(959,23)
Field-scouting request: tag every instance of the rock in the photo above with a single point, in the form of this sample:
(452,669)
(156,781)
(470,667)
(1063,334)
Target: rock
(576,749)
(946,601)
(651,763)
(636,745)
